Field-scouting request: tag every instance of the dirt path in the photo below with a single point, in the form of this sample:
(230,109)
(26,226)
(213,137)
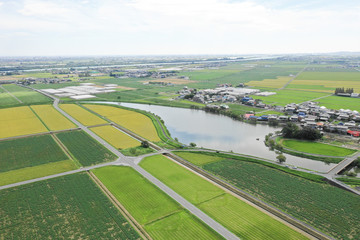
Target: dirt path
(286,84)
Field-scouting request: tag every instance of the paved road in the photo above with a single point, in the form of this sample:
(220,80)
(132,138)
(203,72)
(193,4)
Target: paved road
(343,164)
(122,160)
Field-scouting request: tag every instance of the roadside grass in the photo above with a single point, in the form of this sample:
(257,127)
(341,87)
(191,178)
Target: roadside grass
(69,207)
(353,182)
(327,208)
(82,115)
(115,137)
(27,96)
(29,152)
(245,221)
(37,171)
(151,207)
(134,121)
(317,148)
(197,158)
(18,121)
(52,118)
(85,149)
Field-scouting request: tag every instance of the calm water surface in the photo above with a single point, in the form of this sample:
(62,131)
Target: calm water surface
(223,133)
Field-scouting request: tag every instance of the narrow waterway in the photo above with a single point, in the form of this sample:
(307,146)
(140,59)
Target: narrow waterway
(223,133)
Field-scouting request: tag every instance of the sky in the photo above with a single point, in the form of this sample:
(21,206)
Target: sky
(162,27)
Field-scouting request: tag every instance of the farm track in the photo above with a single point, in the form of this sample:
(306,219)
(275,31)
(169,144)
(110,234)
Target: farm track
(282,88)
(11,94)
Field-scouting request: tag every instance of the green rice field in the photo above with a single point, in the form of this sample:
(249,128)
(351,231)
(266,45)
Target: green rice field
(317,148)
(84,148)
(151,207)
(27,96)
(244,220)
(29,152)
(70,207)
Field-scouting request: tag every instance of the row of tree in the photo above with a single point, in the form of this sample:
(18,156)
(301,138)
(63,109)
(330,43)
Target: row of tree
(343,90)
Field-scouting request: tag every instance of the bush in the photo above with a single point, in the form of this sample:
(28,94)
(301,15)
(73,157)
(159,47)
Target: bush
(145,144)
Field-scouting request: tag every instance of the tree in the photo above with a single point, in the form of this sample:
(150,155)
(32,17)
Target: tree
(176,139)
(308,133)
(192,144)
(281,158)
(145,144)
(290,130)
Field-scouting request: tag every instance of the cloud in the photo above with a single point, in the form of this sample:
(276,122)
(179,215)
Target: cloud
(183,25)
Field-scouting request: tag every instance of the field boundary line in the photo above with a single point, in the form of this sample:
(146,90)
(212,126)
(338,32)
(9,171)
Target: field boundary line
(39,134)
(265,206)
(11,94)
(64,148)
(165,216)
(39,118)
(286,84)
(120,207)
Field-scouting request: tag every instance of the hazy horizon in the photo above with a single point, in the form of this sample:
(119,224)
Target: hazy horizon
(158,27)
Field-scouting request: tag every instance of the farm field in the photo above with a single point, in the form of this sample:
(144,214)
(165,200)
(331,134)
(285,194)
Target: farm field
(29,152)
(326,81)
(337,102)
(61,208)
(80,114)
(151,207)
(270,83)
(86,150)
(284,97)
(316,148)
(134,121)
(37,171)
(19,121)
(239,217)
(27,96)
(198,159)
(314,203)
(52,118)
(6,100)
(115,137)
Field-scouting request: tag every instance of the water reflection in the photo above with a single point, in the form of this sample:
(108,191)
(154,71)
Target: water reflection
(223,133)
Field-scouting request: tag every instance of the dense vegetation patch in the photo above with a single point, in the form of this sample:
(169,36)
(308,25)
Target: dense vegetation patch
(70,207)
(29,152)
(84,148)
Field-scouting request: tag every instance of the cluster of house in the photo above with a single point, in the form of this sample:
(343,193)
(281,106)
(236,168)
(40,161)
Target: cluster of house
(32,80)
(84,91)
(311,115)
(223,94)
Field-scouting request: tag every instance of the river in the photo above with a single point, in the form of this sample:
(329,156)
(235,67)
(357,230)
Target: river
(223,133)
